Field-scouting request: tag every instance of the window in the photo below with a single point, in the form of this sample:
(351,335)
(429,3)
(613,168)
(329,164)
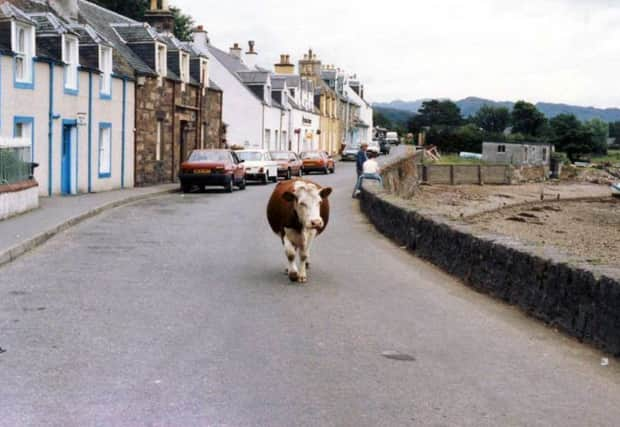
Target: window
(24,129)
(184,67)
(501,148)
(277,140)
(267,136)
(105,65)
(161,60)
(70,57)
(23,46)
(105,150)
(158,144)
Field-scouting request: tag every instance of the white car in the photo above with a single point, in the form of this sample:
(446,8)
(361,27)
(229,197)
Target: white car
(374,146)
(258,165)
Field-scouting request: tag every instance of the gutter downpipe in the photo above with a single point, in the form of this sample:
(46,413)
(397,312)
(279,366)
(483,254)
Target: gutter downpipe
(123,133)
(90,131)
(174,124)
(262,137)
(50,134)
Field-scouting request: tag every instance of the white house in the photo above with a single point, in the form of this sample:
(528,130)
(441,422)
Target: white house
(360,131)
(252,116)
(60,92)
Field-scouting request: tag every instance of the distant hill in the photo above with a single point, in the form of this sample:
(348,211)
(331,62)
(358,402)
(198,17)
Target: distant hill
(470,106)
(399,117)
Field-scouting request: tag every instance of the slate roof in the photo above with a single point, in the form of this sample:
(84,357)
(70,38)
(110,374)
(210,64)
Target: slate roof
(254,77)
(136,32)
(9,11)
(278,83)
(48,23)
(174,44)
(231,63)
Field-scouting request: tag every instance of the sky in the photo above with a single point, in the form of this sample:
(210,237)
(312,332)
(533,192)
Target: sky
(539,50)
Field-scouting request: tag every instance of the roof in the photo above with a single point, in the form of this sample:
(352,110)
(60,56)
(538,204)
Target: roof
(278,83)
(174,44)
(9,11)
(126,62)
(48,23)
(254,77)
(231,63)
(137,32)
(517,143)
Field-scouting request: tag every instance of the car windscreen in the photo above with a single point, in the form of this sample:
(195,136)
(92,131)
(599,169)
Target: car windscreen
(310,155)
(250,156)
(280,156)
(209,156)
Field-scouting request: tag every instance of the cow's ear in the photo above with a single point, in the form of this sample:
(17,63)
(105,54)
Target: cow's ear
(325,192)
(289,197)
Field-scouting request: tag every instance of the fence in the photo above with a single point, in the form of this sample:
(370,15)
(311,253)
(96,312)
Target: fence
(15,161)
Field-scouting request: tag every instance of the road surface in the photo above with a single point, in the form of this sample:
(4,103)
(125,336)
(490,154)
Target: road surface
(176,312)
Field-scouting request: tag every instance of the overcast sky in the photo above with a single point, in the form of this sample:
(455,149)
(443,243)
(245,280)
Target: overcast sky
(538,50)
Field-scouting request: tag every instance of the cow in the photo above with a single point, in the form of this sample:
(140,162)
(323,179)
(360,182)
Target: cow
(298,211)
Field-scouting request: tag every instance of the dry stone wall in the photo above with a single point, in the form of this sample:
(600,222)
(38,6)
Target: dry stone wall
(582,303)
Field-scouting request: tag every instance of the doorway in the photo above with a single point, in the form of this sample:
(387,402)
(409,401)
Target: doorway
(68,165)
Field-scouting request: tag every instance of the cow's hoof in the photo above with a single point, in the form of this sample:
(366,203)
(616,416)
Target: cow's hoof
(308,265)
(293,276)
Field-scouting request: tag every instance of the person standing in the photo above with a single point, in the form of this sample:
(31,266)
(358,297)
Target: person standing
(361,158)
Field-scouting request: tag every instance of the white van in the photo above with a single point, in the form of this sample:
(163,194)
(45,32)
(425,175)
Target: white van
(392,138)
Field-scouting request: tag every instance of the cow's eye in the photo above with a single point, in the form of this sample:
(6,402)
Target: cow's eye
(303,205)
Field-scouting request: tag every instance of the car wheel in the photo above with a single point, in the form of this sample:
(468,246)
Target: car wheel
(333,169)
(185,187)
(265,178)
(325,171)
(230,186)
(242,184)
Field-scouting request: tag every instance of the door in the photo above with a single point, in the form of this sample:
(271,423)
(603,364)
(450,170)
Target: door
(65,165)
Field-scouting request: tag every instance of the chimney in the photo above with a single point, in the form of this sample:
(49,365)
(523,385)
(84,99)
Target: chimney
(236,51)
(251,56)
(200,36)
(285,66)
(159,16)
(310,66)
(68,9)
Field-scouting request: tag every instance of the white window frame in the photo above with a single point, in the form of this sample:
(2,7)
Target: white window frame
(105,150)
(184,66)
(161,59)
(204,72)
(158,140)
(23,54)
(71,58)
(106,66)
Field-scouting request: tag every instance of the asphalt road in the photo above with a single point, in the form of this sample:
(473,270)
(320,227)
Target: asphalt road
(176,312)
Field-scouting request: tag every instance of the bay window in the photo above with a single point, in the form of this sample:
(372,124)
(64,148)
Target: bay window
(23,41)
(70,56)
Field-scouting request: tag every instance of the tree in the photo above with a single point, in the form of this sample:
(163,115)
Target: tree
(527,119)
(381,120)
(614,130)
(136,9)
(436,113)
(492,119)
(571,136)
(600,133)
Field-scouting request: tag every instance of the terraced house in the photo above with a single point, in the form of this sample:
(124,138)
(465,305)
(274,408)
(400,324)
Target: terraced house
(177,107)
(63,93)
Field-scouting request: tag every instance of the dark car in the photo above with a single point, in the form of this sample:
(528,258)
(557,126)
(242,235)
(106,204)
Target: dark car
(289,164)
(219,168)
(318,161)
(385,146)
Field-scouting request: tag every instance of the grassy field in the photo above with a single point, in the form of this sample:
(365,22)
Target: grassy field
(613,156)
(454,159)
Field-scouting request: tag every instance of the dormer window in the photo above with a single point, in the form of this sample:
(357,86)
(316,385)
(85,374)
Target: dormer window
(204,73)
(24,47)
(105,66)
(184,66)
(70,49)
(161,60)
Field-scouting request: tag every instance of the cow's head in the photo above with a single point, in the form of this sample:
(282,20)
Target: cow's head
(307,198)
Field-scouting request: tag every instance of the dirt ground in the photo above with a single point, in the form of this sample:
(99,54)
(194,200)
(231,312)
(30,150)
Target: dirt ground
(586,230)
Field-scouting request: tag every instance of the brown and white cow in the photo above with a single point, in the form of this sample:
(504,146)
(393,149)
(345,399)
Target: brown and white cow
(298,211)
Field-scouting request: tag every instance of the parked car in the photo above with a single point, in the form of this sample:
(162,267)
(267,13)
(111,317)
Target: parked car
(392,138)
(317,161)
(259,166)
(350,152)
(220,168)
(374,146)
(289,164)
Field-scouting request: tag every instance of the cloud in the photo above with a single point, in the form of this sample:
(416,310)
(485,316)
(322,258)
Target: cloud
(540,50)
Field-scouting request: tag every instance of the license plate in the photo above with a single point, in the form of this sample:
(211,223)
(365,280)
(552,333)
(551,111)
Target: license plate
(203,171)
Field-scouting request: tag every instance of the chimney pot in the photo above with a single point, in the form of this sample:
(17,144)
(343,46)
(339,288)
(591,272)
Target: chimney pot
(200,28)
(251,45)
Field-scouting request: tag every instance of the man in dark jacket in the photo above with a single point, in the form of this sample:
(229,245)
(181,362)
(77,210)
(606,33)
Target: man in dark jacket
(361,158)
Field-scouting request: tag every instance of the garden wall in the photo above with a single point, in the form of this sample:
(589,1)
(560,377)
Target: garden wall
(479,174)
(18,198)
(584,304)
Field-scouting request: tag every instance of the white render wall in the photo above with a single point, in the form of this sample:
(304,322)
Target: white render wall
(18,202)
(35,103)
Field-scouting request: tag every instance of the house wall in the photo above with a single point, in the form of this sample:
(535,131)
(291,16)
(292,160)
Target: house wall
(308,137)
(212,116)
(35,104)
(516,154)
(242,111)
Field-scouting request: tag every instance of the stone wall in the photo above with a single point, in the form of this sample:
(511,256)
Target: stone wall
(480,174)
(212,116)
(18,198)
(582,303)
(400,170)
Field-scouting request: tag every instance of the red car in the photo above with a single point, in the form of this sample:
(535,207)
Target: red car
(289,164)
(318,161)
(219,168)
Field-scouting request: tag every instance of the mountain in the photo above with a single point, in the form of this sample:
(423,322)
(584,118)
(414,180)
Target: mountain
(470,106)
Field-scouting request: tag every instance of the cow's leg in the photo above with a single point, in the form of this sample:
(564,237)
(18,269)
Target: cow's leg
(304,255)
(291,254)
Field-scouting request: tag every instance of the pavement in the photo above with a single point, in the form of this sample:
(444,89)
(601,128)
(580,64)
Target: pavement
(175,311)
(25,232)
